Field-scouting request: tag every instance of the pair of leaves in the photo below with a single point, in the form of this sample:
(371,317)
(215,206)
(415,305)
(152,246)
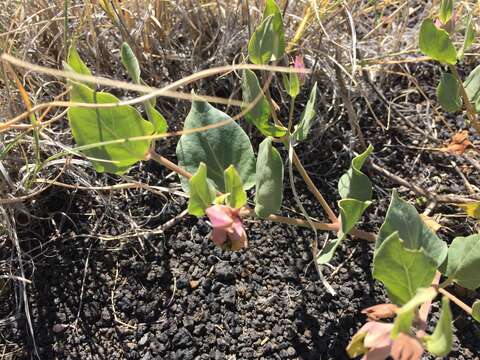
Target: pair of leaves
(203,193)
(259,115)
(355,188)
(218,147)
(268,41)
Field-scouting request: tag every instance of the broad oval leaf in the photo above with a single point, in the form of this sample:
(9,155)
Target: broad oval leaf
(129,60)
(402,270)
(404,218)
(448,93)
(272,9)
(76,63)
(236,195)
(218,148)
(440,342)
(264,42)
(354,184)
(436,43)
(303,127)
(463,261)
(91,126)
(269,180)
(259,115)
(472,88)
(202,193)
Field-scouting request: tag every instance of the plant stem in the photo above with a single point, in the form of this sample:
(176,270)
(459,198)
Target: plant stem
(471,113)
(290,114)
(247,211)
(456,300)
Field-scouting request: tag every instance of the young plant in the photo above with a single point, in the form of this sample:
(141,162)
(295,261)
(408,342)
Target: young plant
(436,41)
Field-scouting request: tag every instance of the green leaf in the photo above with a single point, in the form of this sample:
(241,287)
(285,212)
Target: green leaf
(308,114)
(259,115)
(159,123)
(76,63)
(402,270)
(468,39)
(129,60)
(269,184)
(91,126)
(472,88)
(218,148)
(262,43)
(440,342)
(476,310)
(272,9)
(354,184)
(291,82)
(202,193)
(448,93)
(463,261)
(351,211)
(446,10)
(436,43)
(236,196)
(404,218)
(406,314)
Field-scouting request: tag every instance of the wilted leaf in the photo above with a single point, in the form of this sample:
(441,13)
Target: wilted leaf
(202,194)
(269,180)
(472,209)
(91,126)
(448,93)
(458,144)
(431,223)
(436,43)
(440,342)
(381,311)
(463,261)
(372,337)
(236,195)
(406,347)
(404,218)
(218,148)
(402,270)
(303,127)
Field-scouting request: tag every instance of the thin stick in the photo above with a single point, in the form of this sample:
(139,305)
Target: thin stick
(456,300)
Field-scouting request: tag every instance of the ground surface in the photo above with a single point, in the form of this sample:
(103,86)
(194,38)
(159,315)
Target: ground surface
(108,283)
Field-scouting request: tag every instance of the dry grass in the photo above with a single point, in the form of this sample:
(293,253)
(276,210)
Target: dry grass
(341,40)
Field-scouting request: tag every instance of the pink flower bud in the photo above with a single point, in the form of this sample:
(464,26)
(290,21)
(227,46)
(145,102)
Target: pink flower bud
(300,65)
(228,231)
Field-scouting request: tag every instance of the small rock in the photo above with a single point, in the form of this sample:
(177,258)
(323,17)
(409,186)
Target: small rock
(291,351)
(224,272)
(143,340)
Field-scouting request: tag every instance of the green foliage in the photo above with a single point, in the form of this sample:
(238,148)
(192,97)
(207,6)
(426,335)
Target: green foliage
(130,62)
(355,188)
(446,10)
(236,195)
(259,115)
(469,37)
(476,310)
(269,180)
(272,9)
(440,342)
(75,62)
(448,93)
(402,270)
(291,82)
(406,314)
(308,114)
(463,261)
(90,126)
(354,184)
(403,218)
(202,193)
(472,88)
(218,148)
(436,43)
